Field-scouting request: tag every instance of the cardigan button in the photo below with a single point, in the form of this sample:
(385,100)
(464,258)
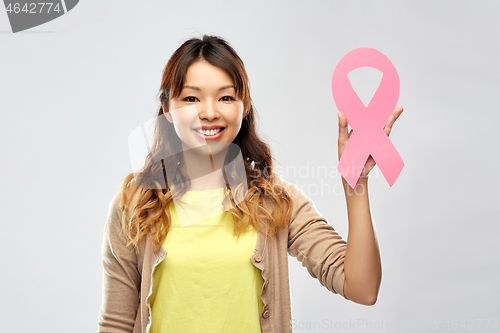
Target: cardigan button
(265,284)
(258,258)
(265,314)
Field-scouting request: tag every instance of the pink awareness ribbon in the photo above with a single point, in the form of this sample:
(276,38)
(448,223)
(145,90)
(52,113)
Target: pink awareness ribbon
(368,136)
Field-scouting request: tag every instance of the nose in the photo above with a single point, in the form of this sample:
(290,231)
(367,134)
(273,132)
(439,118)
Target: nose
(208,111)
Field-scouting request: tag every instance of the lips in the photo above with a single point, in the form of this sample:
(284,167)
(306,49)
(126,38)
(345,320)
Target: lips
(209,132)
(208,127)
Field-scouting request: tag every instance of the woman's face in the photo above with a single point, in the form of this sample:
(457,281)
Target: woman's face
(208,112)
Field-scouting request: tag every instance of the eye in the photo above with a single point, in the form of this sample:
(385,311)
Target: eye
(190,99)
(227,99)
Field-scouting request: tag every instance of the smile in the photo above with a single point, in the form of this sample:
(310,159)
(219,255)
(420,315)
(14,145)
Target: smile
(208,132)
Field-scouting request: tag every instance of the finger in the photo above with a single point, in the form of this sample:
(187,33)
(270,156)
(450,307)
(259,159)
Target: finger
(343,129)
(388,125)
(397,112)
(392,119)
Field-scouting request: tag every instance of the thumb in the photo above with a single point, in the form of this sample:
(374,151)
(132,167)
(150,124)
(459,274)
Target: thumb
(343,129)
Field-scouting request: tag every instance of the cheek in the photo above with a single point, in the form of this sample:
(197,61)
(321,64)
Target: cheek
(184,118)
(181,119)
(237,114)
(179,126)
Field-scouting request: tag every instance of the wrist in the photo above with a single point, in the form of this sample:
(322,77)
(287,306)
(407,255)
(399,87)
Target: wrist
(359,189)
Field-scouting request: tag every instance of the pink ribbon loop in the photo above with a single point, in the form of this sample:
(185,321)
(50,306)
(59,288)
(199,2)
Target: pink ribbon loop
(368,136)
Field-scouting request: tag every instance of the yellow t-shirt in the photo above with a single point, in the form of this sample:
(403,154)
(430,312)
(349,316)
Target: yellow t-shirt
(206,283)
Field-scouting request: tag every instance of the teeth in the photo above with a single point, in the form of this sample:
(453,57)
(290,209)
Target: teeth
(208,132)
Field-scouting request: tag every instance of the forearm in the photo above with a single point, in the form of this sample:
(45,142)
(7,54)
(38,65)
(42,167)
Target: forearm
(362,266)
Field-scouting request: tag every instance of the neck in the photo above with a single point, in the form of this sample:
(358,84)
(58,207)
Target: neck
(204,170)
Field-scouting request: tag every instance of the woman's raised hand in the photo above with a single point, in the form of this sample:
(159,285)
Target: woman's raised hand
(344,135)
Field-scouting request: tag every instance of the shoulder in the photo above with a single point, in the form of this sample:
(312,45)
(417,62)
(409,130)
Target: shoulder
(295,194)
(124,201)
(116,241)
(278,180)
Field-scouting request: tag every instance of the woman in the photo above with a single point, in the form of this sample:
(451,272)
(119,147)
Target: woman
(208,197)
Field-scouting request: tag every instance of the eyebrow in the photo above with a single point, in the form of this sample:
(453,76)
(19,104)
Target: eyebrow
(198,89)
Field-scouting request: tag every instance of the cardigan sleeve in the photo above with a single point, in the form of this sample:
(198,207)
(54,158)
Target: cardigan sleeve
(121,277)
(314,242)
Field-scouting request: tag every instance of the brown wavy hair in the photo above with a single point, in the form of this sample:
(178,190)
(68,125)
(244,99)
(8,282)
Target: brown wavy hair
(266,206)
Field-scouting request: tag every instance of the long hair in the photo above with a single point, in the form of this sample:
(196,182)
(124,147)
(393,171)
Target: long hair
(146,196)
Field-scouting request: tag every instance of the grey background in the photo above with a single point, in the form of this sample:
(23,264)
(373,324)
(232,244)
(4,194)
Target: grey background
(74,88)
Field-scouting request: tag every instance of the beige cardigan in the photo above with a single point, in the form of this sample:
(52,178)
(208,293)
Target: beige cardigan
(128,277)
